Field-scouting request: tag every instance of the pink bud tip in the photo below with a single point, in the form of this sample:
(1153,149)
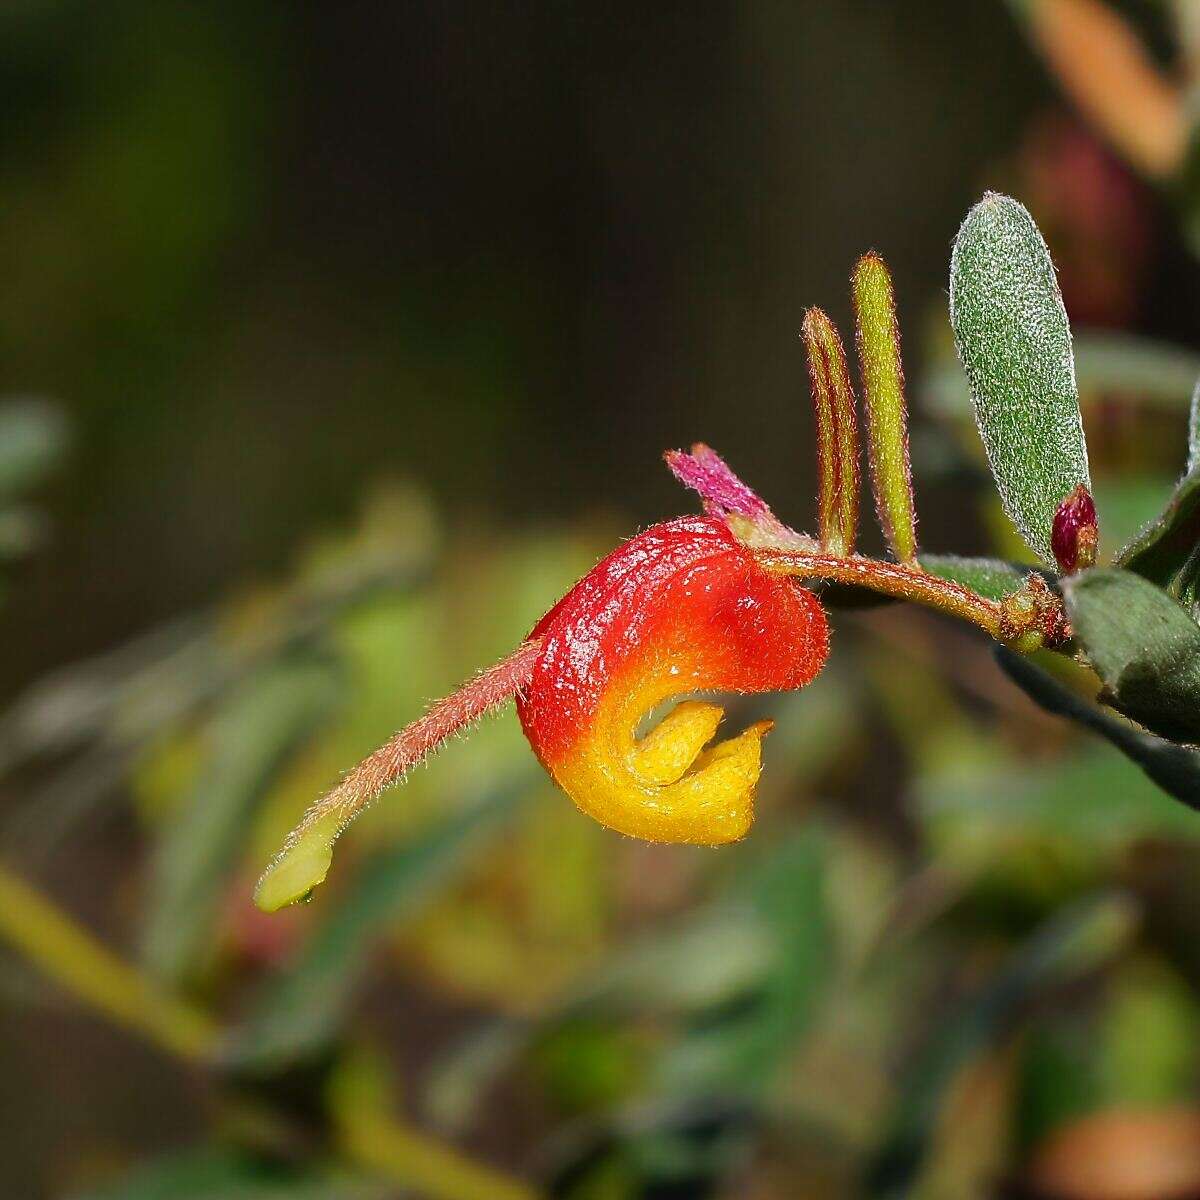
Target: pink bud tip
(1073,535)
(706,472)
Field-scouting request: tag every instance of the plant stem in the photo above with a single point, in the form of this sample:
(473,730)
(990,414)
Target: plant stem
(893,579)
(72,957)
(436,1170)
(308,850)
(82,965)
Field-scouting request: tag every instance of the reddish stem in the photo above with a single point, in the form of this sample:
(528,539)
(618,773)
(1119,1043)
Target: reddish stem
(414,743)
(891,579)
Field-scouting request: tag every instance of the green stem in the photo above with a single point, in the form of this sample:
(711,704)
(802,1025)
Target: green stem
(82,965)
(435,1169)
(73,958)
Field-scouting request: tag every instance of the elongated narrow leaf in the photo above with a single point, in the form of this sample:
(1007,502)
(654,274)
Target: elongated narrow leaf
(1014,341)
(1176,769)
(1144,647)
(837,433)
(885,406)
(301,1008)
(261,724)
(1166,552)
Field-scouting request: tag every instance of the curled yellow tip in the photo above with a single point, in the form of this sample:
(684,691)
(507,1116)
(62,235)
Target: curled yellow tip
(666,752)
(666,787)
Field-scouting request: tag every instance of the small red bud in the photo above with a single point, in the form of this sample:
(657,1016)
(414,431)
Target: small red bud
(1073,535)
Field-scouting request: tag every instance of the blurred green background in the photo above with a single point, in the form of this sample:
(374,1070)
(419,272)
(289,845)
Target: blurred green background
(339,340)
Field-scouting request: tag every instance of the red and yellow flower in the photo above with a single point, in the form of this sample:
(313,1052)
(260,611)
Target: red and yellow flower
(702,604)
(679,609)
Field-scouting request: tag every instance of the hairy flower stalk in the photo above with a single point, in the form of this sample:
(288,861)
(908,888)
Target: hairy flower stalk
(837,434)
(882,372)
(303,861)
(1029,618)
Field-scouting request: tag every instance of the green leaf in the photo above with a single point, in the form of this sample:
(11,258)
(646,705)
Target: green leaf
(751,962)
(1144,647)
(1148,373)
(1014,341)
(991,578)
(301,1009)
(709,959)
(262,723)
(1175,769)
(1167,551)
(744,1049)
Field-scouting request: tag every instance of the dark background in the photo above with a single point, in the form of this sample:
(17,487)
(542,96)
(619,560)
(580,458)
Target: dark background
(263,253)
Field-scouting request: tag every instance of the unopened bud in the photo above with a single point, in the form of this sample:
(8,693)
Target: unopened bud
(1073,536)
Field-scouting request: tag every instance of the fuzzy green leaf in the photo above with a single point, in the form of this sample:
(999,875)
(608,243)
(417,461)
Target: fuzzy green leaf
(1167,551)
(1147,374)
(1144,647)
(1014,341)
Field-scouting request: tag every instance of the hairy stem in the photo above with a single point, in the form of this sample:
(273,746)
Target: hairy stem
(391,762)
(305,857)
(837,433)
(894,579)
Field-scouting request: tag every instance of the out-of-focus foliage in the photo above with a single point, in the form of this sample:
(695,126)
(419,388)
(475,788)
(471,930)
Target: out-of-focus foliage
(833,1004)
(32,440)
